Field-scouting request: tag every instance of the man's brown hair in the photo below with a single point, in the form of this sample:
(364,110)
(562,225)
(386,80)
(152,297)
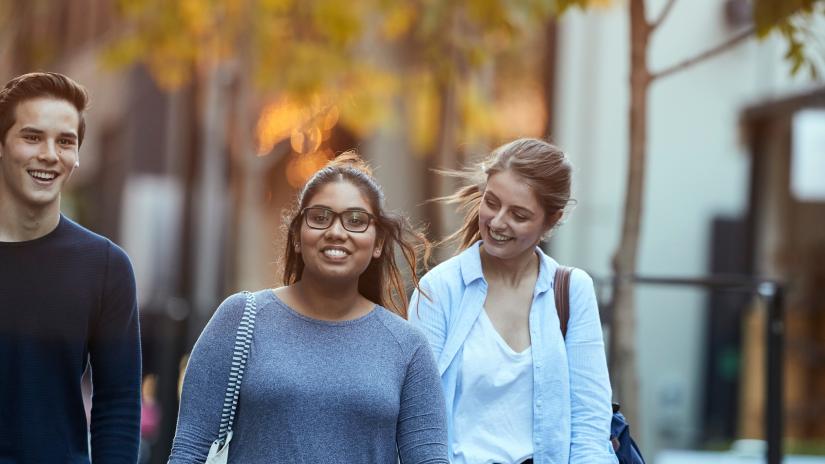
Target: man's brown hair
(39,85)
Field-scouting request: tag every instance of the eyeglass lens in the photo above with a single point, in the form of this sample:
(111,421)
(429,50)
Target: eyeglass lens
(322,218)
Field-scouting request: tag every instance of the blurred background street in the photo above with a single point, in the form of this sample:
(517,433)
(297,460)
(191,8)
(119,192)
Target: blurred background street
(208,115)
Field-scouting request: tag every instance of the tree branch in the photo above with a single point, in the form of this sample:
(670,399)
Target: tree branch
(730,43)
(662,15)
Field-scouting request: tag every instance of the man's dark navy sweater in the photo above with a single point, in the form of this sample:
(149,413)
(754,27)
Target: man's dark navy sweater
(66,298)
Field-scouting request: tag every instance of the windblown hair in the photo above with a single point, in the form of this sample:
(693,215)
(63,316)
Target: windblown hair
(542,166)
(38,85)
(382,281)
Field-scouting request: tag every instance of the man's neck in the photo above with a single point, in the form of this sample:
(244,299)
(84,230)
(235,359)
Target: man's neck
(19,223)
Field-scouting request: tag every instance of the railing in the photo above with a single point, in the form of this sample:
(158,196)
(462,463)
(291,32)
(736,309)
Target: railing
(772,293)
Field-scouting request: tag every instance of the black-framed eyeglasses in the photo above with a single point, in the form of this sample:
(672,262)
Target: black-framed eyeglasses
(353,220)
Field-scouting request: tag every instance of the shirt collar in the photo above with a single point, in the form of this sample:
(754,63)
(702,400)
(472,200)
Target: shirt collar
(547,271)
(470,260)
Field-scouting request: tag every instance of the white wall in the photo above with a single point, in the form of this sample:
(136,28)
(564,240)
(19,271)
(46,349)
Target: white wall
(697,169)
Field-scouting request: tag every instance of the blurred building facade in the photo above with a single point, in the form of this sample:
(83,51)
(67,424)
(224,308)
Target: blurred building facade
(700,353)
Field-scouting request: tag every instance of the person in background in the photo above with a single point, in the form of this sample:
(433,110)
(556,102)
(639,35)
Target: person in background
(335,374)
(67,295)
(516,390)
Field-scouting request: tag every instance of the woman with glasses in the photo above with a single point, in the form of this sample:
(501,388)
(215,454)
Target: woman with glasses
(335,374)
(516,389)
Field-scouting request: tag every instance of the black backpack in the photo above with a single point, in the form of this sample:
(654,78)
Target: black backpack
(625,448)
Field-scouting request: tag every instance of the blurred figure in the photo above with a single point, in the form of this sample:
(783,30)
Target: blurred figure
(335,374)
(67,295)
(150,416)
(516,391)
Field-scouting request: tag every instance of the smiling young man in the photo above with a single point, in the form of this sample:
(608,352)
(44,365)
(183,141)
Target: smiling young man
(67,295)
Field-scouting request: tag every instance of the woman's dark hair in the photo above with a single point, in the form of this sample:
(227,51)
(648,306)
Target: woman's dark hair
(382,281)
(39,85)
(542,166)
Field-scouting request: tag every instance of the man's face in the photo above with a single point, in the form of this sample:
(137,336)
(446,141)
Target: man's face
(39,152)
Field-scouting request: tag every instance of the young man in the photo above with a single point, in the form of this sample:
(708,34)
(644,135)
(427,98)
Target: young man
(67,295)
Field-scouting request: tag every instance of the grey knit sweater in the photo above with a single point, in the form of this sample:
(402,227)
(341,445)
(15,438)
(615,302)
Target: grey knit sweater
(359,391)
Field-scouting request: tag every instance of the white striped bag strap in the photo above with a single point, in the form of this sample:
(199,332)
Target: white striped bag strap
(243,341)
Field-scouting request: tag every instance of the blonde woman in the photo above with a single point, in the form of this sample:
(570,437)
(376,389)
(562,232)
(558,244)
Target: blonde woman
(516,390)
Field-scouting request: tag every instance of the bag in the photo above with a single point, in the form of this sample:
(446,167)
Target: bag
(623,445)
(219,451)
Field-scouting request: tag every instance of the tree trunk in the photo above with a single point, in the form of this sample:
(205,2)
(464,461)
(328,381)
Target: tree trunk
(443,157)
(623,336)
(211,191)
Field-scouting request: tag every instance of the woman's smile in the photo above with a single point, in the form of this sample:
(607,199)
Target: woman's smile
(335,253)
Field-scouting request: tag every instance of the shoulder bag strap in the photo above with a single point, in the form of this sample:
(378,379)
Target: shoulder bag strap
(561,293)
(243,341)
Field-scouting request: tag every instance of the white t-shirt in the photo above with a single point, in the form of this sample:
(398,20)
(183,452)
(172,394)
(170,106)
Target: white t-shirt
(494,414)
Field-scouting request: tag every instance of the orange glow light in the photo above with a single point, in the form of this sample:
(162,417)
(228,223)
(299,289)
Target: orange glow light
(303,124)
(276,123)
(301,167)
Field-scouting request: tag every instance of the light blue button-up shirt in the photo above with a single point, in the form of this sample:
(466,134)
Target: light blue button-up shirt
(571,388)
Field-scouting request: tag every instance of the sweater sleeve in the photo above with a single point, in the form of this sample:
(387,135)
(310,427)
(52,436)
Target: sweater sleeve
(590,402)
(204,384)
(114,354)
(422,424)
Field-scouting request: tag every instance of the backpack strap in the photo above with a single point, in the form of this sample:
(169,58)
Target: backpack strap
(561,293)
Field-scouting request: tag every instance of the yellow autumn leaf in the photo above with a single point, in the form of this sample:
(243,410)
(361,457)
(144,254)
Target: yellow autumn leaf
(398,21)
(421,103)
